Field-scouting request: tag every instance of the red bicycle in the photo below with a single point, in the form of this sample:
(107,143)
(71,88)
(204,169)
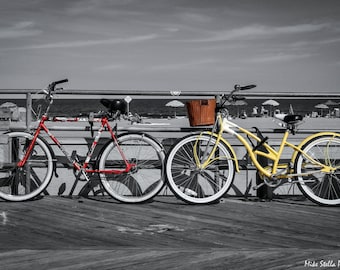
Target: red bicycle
(130,166)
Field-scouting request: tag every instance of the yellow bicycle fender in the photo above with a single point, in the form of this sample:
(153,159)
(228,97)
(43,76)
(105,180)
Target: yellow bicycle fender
(228,144)
(315,135)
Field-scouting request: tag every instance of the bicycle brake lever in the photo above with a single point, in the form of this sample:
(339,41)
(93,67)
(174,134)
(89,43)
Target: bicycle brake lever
(42,91)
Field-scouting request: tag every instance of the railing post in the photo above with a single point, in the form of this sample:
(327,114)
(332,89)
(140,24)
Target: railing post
(28,111)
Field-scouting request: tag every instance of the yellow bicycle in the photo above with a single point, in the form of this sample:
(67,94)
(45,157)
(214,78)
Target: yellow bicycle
(200,168)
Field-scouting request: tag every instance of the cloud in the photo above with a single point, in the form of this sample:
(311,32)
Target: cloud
(86,43)
(195,17)
(111,67)
(184,65)
(324,41)
(257,31)
(18,30)
(279,57)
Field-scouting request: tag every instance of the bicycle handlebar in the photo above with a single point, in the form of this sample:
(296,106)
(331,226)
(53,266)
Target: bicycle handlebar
(52,85)
(51,88)
(246,87)
(237,88)
(59,82)
(49,91)
(231,97)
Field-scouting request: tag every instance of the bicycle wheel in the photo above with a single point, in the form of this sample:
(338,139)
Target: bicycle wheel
(322,188)
(145,180)
(27,182)
(199,185)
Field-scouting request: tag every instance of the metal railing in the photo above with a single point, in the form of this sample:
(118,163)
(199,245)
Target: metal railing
(179,93)
(29,95)
(170,134)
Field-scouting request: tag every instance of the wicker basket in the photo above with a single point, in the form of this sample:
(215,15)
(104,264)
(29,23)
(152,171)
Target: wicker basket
(201,112)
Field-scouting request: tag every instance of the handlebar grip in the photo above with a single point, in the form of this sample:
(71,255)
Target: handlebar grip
(248,87)
(61,81)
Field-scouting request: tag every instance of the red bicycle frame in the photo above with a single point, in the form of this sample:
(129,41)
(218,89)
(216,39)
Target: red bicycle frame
(80,167)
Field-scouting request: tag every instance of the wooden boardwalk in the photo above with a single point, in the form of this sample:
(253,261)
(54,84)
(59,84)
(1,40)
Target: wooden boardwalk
(99,233)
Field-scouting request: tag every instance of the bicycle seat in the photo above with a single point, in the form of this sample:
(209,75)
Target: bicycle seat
(114,105)
(292,118)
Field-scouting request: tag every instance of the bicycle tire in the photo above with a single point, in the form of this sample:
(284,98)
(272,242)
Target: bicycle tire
(321,188)
(27,182)
(192,184)
(144,181)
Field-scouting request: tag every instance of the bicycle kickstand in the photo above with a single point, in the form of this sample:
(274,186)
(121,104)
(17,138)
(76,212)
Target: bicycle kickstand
(78,175)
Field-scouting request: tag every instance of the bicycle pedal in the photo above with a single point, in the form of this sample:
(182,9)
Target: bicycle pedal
(258,186)
(81,175)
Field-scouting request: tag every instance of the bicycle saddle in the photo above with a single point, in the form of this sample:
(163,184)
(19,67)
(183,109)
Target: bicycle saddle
(292,118)
(114,105)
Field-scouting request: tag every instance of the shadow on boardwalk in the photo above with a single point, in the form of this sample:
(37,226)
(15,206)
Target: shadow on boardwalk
(100,233)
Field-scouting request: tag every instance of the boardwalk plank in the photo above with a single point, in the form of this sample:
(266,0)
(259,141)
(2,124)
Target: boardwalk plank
(100,233)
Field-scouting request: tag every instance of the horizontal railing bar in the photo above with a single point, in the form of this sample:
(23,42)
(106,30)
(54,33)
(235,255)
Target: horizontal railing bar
(172,94)
(172,129)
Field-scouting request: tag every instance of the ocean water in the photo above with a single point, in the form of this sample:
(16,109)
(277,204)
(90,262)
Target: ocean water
(156,107)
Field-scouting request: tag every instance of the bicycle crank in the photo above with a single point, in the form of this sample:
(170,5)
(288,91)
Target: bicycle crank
(272,182)
(81,175)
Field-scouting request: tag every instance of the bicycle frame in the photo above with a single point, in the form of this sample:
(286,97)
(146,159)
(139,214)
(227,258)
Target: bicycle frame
(271,154)
(80,167)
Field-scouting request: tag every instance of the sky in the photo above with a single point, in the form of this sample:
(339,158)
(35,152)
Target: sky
(193,45)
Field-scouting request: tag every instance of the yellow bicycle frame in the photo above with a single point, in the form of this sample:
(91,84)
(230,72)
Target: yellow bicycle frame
(271,154)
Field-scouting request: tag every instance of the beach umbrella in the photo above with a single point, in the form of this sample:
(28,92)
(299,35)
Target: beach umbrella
(8,105)
(321,106)
(331,103)
(175,104)
(271,103)
(236,103)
